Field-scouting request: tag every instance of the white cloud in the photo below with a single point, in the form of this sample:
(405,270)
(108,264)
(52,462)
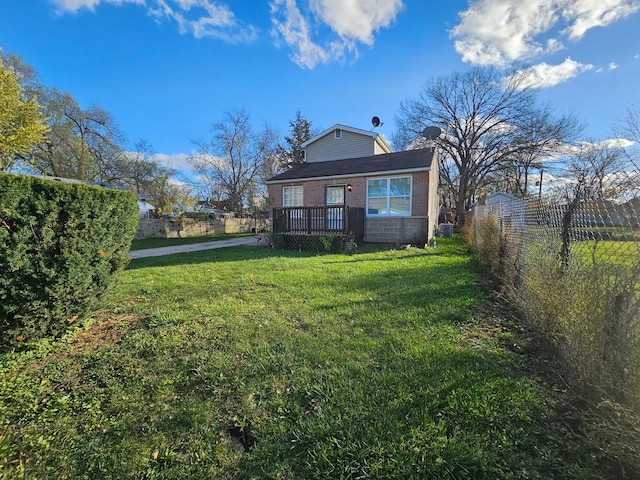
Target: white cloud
(176,161)
(201,18)
(352,22)
(613,66)
(568,150)
(494,32)
(293,27)
(544,75)
(357,19)
(583,15)
(614,143)
(295,23)
(75,5)
(497,32)
(204,18)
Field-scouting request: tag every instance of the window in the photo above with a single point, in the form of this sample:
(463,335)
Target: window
(292,196)
(338,133)
(335,195)
(389,196)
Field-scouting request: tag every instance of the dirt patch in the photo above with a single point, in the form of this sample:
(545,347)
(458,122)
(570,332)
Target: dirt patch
(105,330)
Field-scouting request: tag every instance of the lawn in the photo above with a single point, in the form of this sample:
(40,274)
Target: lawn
(256,363)
(621,254)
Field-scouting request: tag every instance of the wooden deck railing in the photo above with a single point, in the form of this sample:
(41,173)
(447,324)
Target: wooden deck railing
(338,220)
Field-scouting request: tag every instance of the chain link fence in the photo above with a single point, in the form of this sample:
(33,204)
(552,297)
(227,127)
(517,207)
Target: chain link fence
(571,264)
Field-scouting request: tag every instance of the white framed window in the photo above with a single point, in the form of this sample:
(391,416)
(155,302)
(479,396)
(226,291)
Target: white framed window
(389,196)
(337,133)
(292,196)
(335,195)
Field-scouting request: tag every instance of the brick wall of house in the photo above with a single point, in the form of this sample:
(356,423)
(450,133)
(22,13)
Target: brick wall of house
(413,229)
(314,192)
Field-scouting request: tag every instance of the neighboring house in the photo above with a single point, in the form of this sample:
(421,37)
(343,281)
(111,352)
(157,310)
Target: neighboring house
(350,168)
(505,206)
(500,197)
(146,209)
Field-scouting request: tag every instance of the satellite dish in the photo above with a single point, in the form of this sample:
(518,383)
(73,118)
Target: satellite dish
(375,121)
(431,133)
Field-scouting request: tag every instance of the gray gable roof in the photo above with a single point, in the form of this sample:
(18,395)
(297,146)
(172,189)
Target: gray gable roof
(398,162)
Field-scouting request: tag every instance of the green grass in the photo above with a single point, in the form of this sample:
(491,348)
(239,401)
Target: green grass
(607,252)
(169,242)
(257,363)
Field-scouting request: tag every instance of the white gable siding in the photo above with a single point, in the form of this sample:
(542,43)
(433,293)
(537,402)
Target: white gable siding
(379,150)
(351,145)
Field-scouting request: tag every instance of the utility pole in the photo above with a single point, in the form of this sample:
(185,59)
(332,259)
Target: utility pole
(540,185)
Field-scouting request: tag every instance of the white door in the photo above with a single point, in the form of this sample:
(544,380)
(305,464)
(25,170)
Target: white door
(335,207)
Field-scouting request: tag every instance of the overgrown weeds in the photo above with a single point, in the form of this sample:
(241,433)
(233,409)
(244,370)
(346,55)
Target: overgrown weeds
(587,303)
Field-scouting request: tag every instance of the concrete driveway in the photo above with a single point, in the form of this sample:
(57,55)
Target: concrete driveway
(196,247)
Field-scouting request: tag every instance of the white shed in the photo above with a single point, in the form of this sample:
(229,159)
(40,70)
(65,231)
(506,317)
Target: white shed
(145,208)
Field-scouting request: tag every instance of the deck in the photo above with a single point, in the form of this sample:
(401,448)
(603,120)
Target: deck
(320,220)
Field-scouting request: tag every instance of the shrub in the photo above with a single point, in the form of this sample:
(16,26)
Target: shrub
(327,242)
(484,236)
(60,246)
(313,243)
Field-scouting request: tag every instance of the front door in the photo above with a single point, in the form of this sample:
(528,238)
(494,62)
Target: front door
(335,207)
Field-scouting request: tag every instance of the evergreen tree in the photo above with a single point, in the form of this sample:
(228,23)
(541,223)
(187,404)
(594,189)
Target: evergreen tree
(300,132)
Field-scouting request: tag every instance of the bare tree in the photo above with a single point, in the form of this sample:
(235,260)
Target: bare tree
(81,143)
(594,176)
(602,172)
(630,131)
(486,119)
(229,164)
(137,170)
(26,73)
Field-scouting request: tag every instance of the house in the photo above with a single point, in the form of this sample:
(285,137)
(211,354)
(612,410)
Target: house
(145,208)
(505,206)
(350,170)
(500,197)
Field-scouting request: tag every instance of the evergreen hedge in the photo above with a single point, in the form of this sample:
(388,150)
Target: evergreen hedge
(61,245)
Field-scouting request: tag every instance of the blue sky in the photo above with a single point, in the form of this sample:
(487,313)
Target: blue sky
(169,69)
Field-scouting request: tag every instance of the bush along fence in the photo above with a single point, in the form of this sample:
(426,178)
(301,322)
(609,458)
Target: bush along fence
(60,246)
(571,265)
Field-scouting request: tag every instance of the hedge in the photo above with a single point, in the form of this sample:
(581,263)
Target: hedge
(61,245)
